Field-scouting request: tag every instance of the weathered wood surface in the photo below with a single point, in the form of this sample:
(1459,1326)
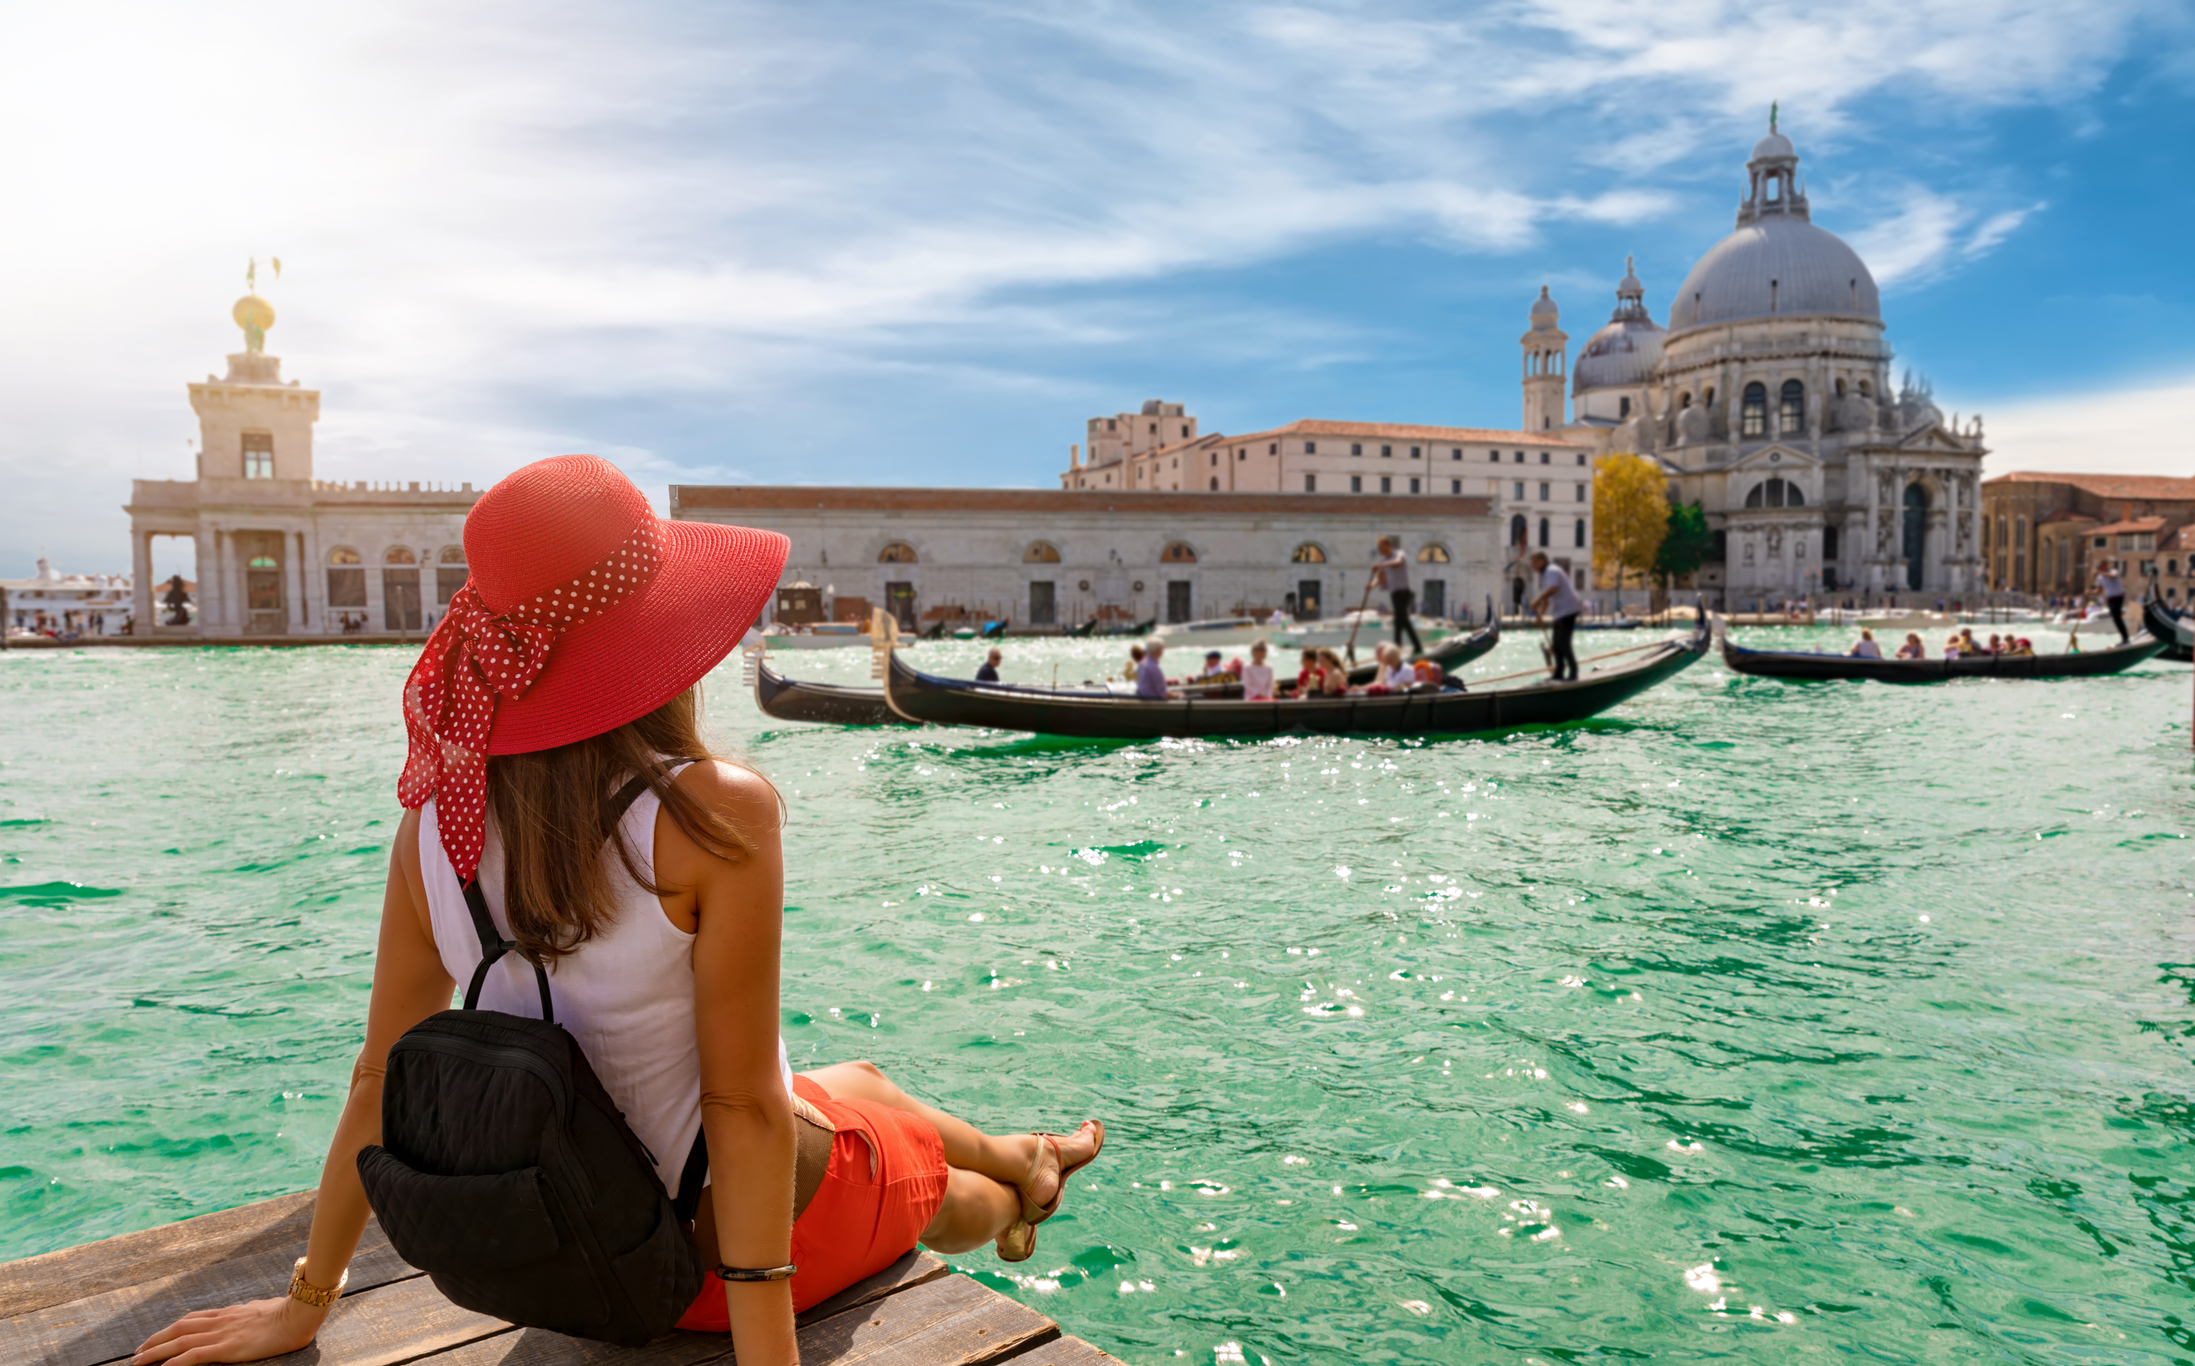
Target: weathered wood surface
(90,1305)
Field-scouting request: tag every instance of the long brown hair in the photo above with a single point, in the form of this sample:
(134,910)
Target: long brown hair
(553,809)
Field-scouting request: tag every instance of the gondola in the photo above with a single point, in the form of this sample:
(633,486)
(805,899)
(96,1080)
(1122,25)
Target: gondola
(936,632)
(2176,628)
(1103,715)
(828,704)
(1809,667)
(994,630)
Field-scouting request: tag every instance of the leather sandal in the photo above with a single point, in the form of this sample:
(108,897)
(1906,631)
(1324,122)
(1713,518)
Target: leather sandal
(1018,1243)
(1033,1213)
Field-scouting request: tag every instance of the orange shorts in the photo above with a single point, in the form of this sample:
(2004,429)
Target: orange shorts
(868,1212)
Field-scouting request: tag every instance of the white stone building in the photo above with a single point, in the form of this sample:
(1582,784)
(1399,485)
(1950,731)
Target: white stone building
(281,553)
(1048,558)
(1768,401)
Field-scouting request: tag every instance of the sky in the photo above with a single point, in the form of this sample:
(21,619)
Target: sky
(923,243)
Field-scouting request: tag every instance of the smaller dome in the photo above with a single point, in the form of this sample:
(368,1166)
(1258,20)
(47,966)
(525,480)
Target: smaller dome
(251,312)
(1620,355)
(1773,147)
(1544,306)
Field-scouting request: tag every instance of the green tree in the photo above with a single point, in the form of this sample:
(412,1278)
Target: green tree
(1630,517)
(1686,545)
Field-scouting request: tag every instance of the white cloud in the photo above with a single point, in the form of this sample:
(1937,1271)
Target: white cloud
(1915,242)
(2115,431)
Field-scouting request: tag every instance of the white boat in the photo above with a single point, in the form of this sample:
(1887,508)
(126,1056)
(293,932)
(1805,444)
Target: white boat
(824,635)
(1220,632)
(2094,621)
(1908,620)
(1369,627)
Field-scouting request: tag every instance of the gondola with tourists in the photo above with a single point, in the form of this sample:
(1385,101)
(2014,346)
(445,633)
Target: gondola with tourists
(1804,667)
(1090,714)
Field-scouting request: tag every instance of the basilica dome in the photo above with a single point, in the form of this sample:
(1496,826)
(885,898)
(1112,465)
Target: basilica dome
(1777,263)
(1623,353)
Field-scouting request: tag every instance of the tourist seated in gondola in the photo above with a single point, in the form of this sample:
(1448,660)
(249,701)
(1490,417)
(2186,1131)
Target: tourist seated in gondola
(1151,675)
(1257,675)
(1866,648)
(1135,661)
(1214,670)
(1912,649)
(2022,648)
(1307,677)
(1333,675)
(1951,648)
(1970,648)
(988,673)
(1433,678)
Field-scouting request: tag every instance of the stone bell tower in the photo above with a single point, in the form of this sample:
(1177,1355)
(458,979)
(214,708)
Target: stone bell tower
(1546,364)
(250,424)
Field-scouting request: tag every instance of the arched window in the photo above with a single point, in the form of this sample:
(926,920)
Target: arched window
(1516,530)
(449,573)
(1040,552)
(1775,493)
(898,552)
(1791,407)
(1308,553)
(1177,552)
(400,609)
(1753,415)
(1433,553)
(263,562)
(346,578)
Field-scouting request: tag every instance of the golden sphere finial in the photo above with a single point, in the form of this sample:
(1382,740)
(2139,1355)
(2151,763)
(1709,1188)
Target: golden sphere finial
(255,315)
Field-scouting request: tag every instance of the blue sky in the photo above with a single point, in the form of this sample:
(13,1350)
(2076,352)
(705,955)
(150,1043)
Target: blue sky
(923,242)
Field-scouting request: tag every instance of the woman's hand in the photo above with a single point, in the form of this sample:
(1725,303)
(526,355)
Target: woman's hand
(240,1332)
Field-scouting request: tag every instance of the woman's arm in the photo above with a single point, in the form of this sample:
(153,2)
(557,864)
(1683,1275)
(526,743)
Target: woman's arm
(409,984)
(748,1117)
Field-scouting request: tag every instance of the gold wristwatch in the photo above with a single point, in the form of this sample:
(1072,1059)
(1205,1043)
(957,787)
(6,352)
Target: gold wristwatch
(306,1292)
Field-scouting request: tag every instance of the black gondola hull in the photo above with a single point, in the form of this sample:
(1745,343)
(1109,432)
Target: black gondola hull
(2165,625)
(1821,668)
(826,704)
(1106,716)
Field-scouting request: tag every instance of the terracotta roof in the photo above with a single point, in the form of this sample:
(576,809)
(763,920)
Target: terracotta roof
(2065,515)
(2131,526)
(2108,485)
(686,498)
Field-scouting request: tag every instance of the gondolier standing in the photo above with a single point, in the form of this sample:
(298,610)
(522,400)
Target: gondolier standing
(2113,588)
(1558,599)
(1393,569)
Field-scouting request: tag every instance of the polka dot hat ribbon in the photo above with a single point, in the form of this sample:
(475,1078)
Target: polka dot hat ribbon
(477,656)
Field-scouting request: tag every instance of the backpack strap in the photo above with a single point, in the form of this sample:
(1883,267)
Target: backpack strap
(492,943)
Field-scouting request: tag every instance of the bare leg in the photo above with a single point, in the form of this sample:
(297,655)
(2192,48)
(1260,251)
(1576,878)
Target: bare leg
(976,1211)
(1011,1158)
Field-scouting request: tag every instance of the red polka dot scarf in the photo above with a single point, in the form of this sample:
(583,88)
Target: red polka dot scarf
(476,657)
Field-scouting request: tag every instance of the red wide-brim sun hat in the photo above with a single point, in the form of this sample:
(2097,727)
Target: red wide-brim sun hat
(553,521)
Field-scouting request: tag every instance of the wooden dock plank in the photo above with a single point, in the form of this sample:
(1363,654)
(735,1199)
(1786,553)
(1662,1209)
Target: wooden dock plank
(1065,1352)
(400,1322)
(108,1325)
(128,1258)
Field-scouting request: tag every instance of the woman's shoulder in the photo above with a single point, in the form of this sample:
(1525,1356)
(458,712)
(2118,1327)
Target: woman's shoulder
(732,790)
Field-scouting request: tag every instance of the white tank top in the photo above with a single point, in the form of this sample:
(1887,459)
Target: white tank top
(627,994)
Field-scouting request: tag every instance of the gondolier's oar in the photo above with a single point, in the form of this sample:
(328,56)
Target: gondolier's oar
(1358,621)
(1528,673)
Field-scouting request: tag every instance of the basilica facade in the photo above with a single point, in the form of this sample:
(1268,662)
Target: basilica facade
(1767,399)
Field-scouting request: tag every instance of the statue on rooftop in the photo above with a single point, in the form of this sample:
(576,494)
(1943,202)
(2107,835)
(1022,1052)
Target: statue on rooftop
(177,600)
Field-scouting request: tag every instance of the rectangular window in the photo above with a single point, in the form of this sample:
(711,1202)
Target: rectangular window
(1543,457)
(1581,493)
(1356,448)
(1387,452)
(1543,490)
(1356,483)
(1414,453)
(258,455)
(1516,490)
(1178,602)
(1310,448)
(1580,539)
(1581,457)
(1436,598)
(1310,483)
(1517,457)
(1494,456)
(1455,486)
(1413,486)
(1386,484)
(1455,453)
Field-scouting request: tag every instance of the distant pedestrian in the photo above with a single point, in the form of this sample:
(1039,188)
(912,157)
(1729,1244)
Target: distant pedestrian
(989,672)
(1150,675)
(2113,588)
(1560,601)
(1393,569)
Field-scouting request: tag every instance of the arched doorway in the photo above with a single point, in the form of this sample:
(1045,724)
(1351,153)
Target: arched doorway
(1916,533)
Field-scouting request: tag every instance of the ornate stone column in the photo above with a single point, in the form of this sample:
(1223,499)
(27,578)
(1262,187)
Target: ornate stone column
(209,577)
(140,583)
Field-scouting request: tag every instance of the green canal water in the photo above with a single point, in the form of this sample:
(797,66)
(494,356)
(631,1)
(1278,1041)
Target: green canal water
(1754,1022)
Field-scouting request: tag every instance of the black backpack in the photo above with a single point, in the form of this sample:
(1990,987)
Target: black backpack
(508,1175)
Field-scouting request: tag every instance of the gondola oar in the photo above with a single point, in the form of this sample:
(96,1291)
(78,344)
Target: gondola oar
(1358,621)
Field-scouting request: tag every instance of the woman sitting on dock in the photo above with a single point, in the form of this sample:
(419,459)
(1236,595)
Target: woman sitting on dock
(557,783)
